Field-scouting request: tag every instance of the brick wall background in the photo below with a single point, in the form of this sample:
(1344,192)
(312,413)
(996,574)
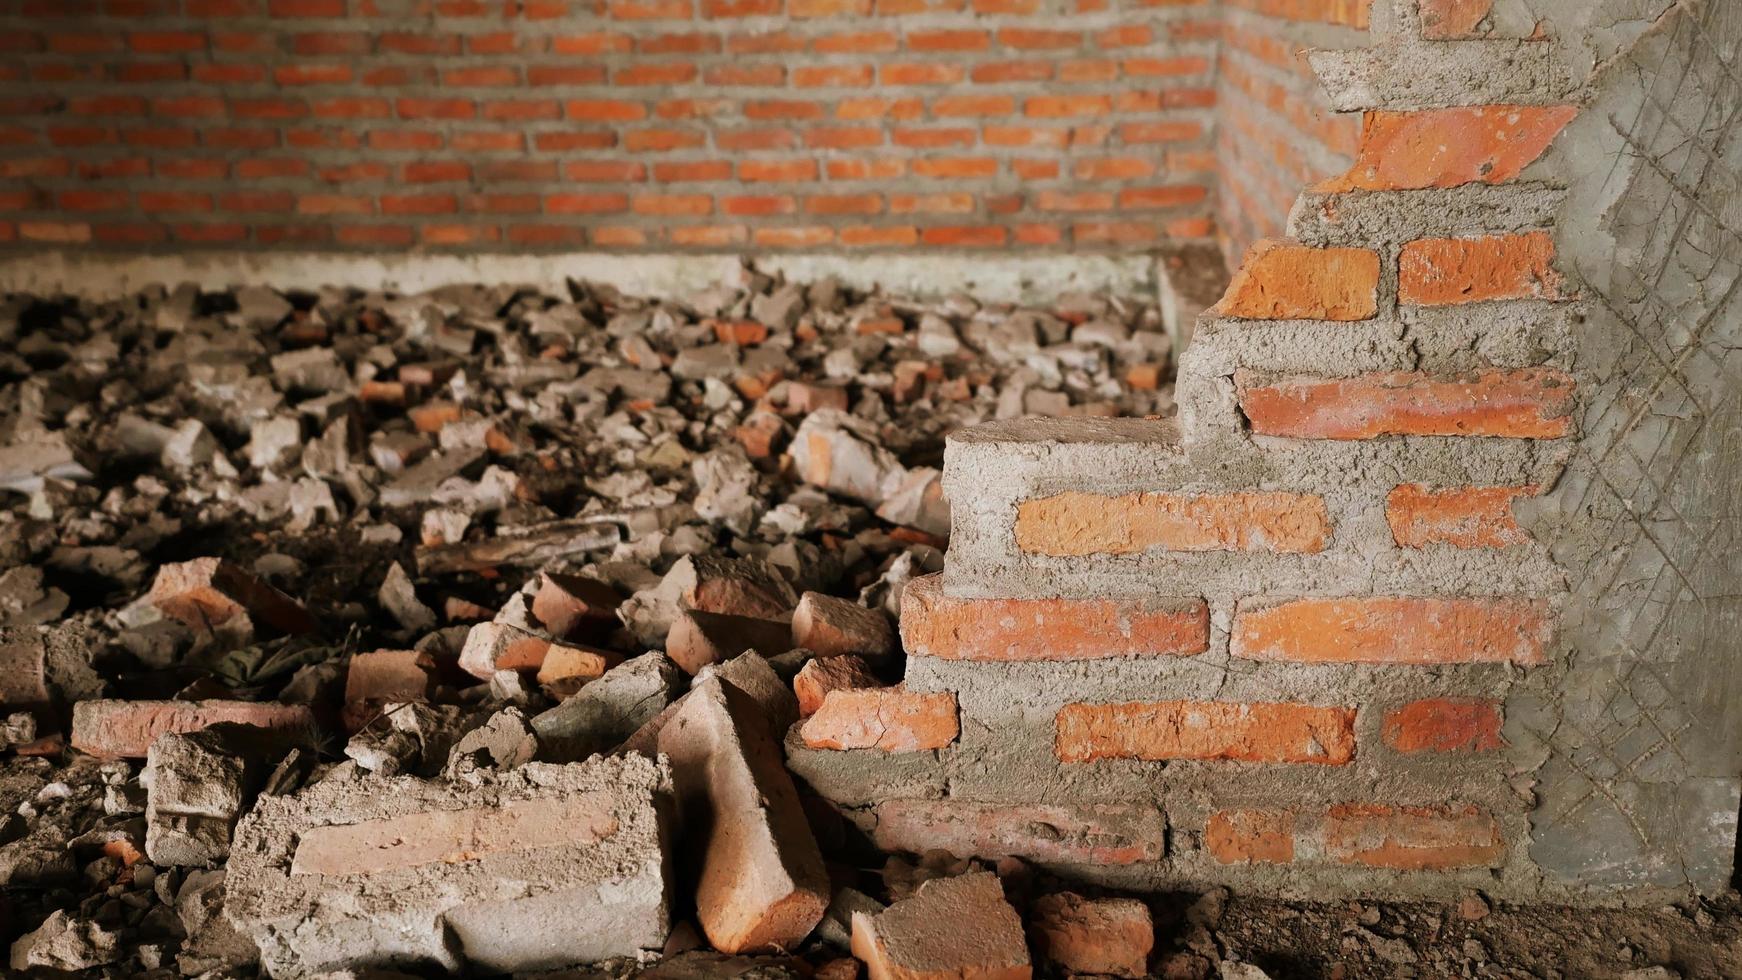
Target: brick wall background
(616,124)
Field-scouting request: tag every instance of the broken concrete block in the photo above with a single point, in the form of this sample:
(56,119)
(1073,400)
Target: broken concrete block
(820,676)
(399,597)
(892,719)
(1111,936)
(951,929)
(535,868)
(213,942)
(197,784)
(110,728)
(574,606)
(26,464)
(274,442)
(762,884)
(504,741)
(65,943)
(830,626)
(23,669)
(841,454)
(609,710)
(915,499)
(208,594)
(698,639)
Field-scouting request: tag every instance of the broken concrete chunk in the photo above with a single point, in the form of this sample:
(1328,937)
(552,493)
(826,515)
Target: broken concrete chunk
(609,710)
(536,868)
(25,465)
(504,741)
(951,929)
(125,729)
(762,884)
(891,719)
(698,639)
(820,676)
(208,594)
(197,785)
(830,627)
(1108,936)
(399,597)
(65,943)
(835,451)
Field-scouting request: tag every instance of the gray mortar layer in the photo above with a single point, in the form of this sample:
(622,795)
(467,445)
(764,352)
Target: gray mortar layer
(1358,219)
(575,904)
(1396,75)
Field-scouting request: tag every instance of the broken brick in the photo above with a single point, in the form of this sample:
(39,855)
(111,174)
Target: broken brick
(208,593)
(1111,936)
(573,606)
(950,929)
(891,719)
(701,638)
(830,627)
(125,729)
(821,675)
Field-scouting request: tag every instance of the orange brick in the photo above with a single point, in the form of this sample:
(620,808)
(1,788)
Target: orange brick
(1207,730)
(1076,524)
(890,719)
(1463,517)
(1278,280)
(818,677)
(1448,147)
(1100,936)
(1413,837)
(1444,725)
(1449,271)
(450,836)
(1535,403)
(1394,630)
(1013,630)
(1250,836)
(1447,19)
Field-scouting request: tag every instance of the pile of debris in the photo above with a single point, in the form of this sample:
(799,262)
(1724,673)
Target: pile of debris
(460,631)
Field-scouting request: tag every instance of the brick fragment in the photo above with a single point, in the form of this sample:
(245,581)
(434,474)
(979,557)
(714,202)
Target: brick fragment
(1450,271)
(1443,20)
(23,670)
(493,646)
(1085,833)
(1448,147)
(383,676)
(830,627)
(937,625)
(1076,524)
(698,639)
(210,593)
(1534,403)
(1394,630)
(1208,730)
(1250,836)
(818,677)
(369,870)
(1463,517)
(1280,280)
(1413,838)
(568,667)
(1103,936)
(891,719)
(762,885)
(1444,725)
(574,606)
(125,729)
(951,929)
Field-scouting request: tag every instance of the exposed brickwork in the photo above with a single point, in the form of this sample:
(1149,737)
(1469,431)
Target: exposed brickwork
(1535,403)
(1444,725)
(1449,147)
(1206,730)
(1448,271)
(1074,524)
(1463,517)
(1393,630)
(936,625)
(1412,837)
(560,125)
(1443,20)
(1250,836)
(1281,281)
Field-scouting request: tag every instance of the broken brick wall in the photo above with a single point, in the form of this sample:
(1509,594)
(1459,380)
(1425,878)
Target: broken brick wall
(1425,589)
(656,125)
(1275,131)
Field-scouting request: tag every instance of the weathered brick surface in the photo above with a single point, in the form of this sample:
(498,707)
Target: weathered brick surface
(936,625)
(1444,725)
(1394,630)
(891,719)
(1106,936)
(1447,19)
(624,127)
(1250,836)
(126,729)
(1280,280)
(210,593)
(1534,403)
(1463,517)
(1412,837)
(818,677)
(1076,524)
(1449,147)
(830,627)
(1209,730)
(1089,833)
(1449,271)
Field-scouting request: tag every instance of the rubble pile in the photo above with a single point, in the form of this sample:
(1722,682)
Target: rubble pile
(460,632)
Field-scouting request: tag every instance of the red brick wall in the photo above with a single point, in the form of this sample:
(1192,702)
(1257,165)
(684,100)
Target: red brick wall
(615,124)
(1276,133)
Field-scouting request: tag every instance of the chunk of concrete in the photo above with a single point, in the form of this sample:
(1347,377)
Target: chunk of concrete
(65,943)
(609,710)
(540,867)
(762,883)
(197,784)
(951,928)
